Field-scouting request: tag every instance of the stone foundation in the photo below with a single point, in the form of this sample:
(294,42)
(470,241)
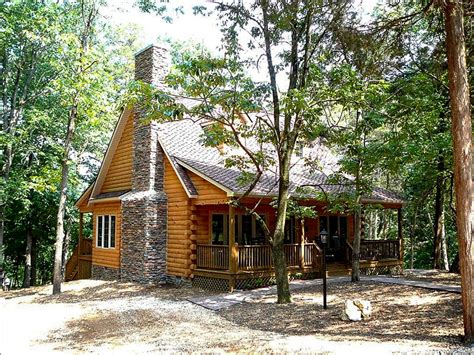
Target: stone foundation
(105,273)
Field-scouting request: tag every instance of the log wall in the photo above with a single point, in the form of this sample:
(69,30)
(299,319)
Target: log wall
(179,220)
(119,175)
(106,256)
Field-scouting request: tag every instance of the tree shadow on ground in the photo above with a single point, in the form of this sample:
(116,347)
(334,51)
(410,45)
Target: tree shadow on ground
(94,290)
(399,313)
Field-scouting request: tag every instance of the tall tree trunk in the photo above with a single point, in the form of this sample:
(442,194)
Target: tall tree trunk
(29,245)
(462,147)
(438,222)
(58,254)
(412,237)
(278,252)
(34,253)
(355,275)
(444,247)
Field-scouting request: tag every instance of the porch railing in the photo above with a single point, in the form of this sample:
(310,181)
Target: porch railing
(214,257)
(312,255)
(255,257)
(379,249)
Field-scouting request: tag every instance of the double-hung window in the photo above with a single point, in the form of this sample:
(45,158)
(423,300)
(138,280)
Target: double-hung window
(106,231)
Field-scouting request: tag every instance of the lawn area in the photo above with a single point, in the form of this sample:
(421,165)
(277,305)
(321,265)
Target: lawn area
(104,317)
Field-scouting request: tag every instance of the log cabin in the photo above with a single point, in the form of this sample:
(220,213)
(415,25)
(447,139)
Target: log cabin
(160,211)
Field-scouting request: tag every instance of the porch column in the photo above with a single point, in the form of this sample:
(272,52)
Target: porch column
(302,243)
(233,247)
(81,231)
(400,232)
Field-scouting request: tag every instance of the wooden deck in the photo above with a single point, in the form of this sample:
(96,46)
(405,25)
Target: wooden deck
(224,267)
(79,263)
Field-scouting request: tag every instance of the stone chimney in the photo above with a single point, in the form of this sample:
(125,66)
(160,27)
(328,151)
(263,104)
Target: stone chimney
(144,210)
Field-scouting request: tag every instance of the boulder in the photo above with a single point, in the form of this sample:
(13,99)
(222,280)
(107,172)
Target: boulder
(356,310)
(351,312)
(365,308)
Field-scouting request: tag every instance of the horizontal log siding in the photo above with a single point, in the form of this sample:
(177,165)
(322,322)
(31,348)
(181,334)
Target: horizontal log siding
(178,249)
(102,256)
(119,175)
(207,192)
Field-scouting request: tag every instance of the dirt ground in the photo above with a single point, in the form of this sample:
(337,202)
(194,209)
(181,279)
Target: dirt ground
(111,317)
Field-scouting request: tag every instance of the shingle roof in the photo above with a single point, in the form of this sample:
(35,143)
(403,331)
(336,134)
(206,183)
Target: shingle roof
(182,141)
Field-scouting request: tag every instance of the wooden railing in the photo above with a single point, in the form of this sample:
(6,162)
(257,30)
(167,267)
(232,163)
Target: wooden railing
(292,254)
(72,264)
(214,257)
(255,257)
(312,255)
(379,249)
(86,246)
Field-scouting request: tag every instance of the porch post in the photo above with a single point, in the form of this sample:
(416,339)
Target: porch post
(81,229)
(302,243)
(233,248)
(79,244)
(400,233)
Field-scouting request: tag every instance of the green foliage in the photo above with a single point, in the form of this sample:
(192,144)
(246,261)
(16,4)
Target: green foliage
(40,50)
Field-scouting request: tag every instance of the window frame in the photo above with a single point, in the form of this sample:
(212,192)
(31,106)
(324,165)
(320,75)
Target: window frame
(111,232)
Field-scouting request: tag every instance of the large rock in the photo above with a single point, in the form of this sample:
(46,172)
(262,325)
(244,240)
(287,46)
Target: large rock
(365,308)
(356,310)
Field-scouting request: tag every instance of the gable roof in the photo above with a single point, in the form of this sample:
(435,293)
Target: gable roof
(182,144)
(182,140)
(111,149)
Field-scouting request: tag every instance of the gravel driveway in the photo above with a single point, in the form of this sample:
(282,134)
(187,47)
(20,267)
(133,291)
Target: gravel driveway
(110,317)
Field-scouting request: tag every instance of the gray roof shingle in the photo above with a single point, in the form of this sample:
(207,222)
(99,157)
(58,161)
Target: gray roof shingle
(182,140)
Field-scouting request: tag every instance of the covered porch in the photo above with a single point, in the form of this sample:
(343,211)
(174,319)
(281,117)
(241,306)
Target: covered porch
(222,263)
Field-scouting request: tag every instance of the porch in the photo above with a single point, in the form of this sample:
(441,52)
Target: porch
(221,263)
(79,264)
(225,268)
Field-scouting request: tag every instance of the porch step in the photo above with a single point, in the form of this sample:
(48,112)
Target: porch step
(73,274)
(338,269)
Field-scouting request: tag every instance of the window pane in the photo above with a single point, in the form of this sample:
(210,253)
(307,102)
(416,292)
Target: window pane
(247,229)
(333,232)
(106,231)
(112,231)
(290,231)
(217,229)
(260,233)
(99,231)
(343,227)
(323,224)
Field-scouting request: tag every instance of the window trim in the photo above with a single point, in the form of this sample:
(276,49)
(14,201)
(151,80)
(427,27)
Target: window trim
(109,234)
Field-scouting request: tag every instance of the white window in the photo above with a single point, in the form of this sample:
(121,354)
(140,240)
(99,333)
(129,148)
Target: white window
(106,231)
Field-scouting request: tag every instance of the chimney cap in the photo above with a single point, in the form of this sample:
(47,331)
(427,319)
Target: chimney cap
(164,46)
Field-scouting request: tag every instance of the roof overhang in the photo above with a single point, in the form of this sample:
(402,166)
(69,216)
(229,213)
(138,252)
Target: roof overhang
(205,177)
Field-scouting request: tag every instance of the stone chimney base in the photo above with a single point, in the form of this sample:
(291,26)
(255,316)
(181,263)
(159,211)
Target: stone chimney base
(144,237)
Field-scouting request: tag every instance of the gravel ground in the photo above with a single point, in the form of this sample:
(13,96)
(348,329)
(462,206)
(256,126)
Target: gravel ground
(435,276)
(110,317)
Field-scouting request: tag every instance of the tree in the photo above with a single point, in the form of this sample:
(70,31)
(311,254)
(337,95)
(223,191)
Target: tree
(291,37)
(462,144)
